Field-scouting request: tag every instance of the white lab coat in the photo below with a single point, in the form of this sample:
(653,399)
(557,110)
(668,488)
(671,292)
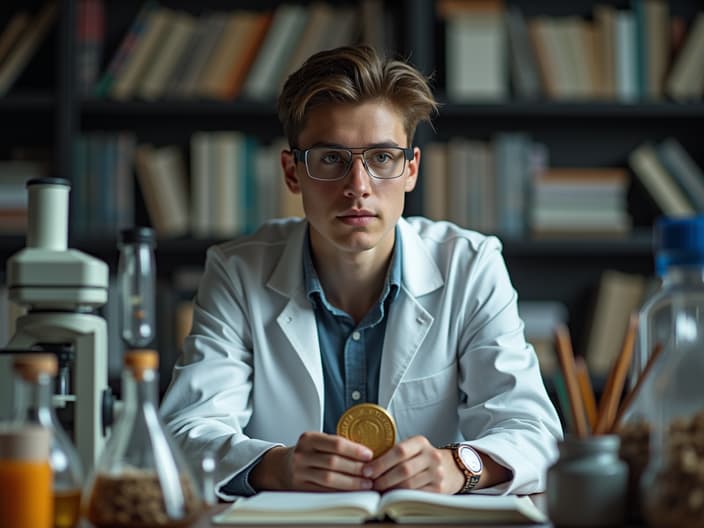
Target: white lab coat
(455,365)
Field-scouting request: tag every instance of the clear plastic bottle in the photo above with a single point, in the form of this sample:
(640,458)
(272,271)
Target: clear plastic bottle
(137,285)
(675,312)
(141,479)
(672,318)
(34,375)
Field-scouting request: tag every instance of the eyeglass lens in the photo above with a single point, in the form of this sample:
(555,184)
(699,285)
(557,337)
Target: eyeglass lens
(326,163)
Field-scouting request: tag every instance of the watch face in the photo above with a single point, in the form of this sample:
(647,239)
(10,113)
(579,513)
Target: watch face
(470,458)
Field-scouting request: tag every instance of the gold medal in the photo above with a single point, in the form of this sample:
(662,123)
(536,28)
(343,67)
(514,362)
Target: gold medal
(370,425)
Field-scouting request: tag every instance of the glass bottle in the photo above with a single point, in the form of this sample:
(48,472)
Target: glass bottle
(141,479)
(136,279)
(34,375)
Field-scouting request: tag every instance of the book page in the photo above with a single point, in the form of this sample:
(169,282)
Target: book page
(411,506)
(301,507)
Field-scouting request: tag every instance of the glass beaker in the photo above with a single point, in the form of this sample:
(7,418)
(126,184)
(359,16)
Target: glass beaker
(141,479)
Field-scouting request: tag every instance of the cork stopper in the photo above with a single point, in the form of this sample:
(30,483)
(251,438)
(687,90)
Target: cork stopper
(31,366)
(140,360)
(24,442)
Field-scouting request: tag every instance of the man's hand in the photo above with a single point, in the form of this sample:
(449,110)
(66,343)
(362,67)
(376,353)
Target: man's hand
(415,464)
(318,462)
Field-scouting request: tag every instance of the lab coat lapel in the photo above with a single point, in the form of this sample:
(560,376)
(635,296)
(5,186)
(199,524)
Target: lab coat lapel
(297,319)
(409,322)
(406,330)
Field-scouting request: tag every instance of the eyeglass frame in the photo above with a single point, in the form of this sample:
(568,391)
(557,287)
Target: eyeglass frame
(302,155)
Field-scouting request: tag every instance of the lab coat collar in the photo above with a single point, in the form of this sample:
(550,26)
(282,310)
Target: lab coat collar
(420,273)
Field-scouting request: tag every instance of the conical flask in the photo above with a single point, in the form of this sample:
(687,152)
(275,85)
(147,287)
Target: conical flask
(34,375)
(141,479)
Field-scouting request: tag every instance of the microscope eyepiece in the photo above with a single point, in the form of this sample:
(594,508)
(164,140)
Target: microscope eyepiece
(48,181)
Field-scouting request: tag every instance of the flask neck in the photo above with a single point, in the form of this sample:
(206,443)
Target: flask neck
(140,389)
(34,401)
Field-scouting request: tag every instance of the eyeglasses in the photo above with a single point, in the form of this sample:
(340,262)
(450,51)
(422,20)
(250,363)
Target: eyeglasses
(333,163)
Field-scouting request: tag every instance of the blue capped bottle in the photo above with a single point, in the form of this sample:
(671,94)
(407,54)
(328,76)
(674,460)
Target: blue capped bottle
(672,319)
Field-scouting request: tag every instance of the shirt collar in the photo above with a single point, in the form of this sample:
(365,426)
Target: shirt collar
(314,290)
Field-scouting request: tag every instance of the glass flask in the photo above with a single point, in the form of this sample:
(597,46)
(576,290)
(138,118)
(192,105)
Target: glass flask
(34,375)
(141,479)
(136,280)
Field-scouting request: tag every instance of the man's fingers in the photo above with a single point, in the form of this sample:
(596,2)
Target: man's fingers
(411,473)
(331,481)
(405,450)
(326,443)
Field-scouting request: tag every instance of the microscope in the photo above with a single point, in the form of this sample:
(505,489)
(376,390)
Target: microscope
(61,289)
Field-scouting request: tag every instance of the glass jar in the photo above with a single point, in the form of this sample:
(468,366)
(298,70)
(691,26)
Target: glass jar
(34,375)
(141,479)
(137,285)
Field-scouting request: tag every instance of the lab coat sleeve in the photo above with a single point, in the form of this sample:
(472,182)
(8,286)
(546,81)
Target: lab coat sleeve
(507,413)
(208,403)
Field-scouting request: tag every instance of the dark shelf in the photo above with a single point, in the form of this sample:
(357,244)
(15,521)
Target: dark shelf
(639,243)
(558,109)
(180,107)
(567,110)
(182,252)
(27,102)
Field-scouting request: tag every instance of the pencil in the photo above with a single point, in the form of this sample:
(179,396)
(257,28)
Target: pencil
(569,372)
(631,395)
(617,377)
(585,386)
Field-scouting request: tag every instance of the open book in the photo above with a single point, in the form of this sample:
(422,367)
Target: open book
(402,506)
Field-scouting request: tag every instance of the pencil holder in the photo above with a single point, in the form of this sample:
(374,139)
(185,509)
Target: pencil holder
(587,485)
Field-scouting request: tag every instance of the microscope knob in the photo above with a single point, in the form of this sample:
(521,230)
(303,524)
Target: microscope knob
(108,406)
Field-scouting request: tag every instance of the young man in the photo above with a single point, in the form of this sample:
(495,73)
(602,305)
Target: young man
(305,318)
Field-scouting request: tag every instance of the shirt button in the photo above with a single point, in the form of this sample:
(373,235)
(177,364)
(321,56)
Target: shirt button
(289,319)
(356,395)
(420,320)
(356,335)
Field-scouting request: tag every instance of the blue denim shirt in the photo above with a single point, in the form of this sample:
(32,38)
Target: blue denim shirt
(351,354)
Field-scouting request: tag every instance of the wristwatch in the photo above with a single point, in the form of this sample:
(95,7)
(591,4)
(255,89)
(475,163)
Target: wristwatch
(469,462)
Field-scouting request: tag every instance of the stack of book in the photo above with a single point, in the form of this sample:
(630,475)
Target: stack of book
(670,175)
(482,185)
(576,201)
(618,54)
(223,55)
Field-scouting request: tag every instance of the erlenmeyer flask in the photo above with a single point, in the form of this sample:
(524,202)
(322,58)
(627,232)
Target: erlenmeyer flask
(141,479)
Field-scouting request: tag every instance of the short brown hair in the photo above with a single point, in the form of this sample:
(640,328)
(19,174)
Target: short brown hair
(352,74)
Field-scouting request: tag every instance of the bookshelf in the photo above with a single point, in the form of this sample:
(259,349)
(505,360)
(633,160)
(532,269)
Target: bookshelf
(48,111)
